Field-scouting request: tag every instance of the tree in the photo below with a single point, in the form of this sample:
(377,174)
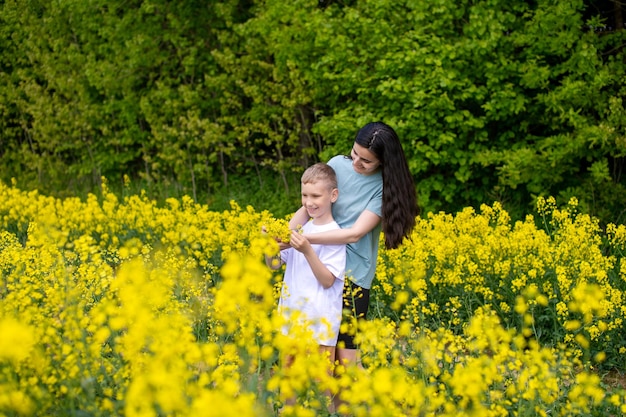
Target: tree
(493,100)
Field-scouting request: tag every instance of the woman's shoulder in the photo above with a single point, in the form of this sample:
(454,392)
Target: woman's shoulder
(338,160)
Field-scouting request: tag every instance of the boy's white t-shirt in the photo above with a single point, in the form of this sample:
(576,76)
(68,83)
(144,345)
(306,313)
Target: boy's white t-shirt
(302,292)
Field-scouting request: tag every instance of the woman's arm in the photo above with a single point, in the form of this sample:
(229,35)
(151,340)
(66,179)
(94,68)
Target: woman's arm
(299,218)
(366,222)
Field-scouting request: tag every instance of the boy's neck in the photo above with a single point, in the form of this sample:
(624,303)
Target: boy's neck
(321,221)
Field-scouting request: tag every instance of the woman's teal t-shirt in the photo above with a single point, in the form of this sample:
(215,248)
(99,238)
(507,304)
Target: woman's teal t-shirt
(358,193)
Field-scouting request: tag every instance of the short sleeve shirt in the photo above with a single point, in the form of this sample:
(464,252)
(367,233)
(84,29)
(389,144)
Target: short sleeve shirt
(357,193)
(321,307)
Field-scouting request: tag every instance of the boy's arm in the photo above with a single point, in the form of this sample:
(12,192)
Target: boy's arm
(321,272)
(274,262)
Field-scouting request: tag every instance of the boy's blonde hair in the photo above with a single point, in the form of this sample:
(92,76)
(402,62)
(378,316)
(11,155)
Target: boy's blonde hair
(320,172)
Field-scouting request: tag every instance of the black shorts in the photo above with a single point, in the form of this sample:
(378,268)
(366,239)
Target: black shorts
(356,301)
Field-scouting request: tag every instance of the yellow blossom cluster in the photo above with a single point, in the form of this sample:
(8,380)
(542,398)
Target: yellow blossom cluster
(114,306)
(540,280)
(278,229)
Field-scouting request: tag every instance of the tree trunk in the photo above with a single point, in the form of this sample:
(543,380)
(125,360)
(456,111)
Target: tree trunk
(619,19)
(223,168)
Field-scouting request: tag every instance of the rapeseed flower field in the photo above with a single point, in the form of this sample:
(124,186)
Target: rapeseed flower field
(118,306)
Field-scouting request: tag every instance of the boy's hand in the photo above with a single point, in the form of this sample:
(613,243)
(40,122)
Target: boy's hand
(299,242)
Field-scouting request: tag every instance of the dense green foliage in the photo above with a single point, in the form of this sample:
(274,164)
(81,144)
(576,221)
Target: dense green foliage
(493,100)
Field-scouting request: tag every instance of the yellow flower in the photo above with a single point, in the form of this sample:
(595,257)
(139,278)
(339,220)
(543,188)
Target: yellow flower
(17,341)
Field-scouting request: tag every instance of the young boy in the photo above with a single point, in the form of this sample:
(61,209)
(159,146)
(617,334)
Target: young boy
(313,280)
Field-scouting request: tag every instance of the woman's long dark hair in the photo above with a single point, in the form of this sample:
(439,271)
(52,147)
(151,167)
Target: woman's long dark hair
(400,209)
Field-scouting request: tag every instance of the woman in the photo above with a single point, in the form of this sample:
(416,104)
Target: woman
(376,191)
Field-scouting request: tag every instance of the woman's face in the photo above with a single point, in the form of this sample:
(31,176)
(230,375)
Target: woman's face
(363,160)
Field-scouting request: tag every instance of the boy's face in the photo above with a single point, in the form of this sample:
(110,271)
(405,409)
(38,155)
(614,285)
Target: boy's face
(317,198)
